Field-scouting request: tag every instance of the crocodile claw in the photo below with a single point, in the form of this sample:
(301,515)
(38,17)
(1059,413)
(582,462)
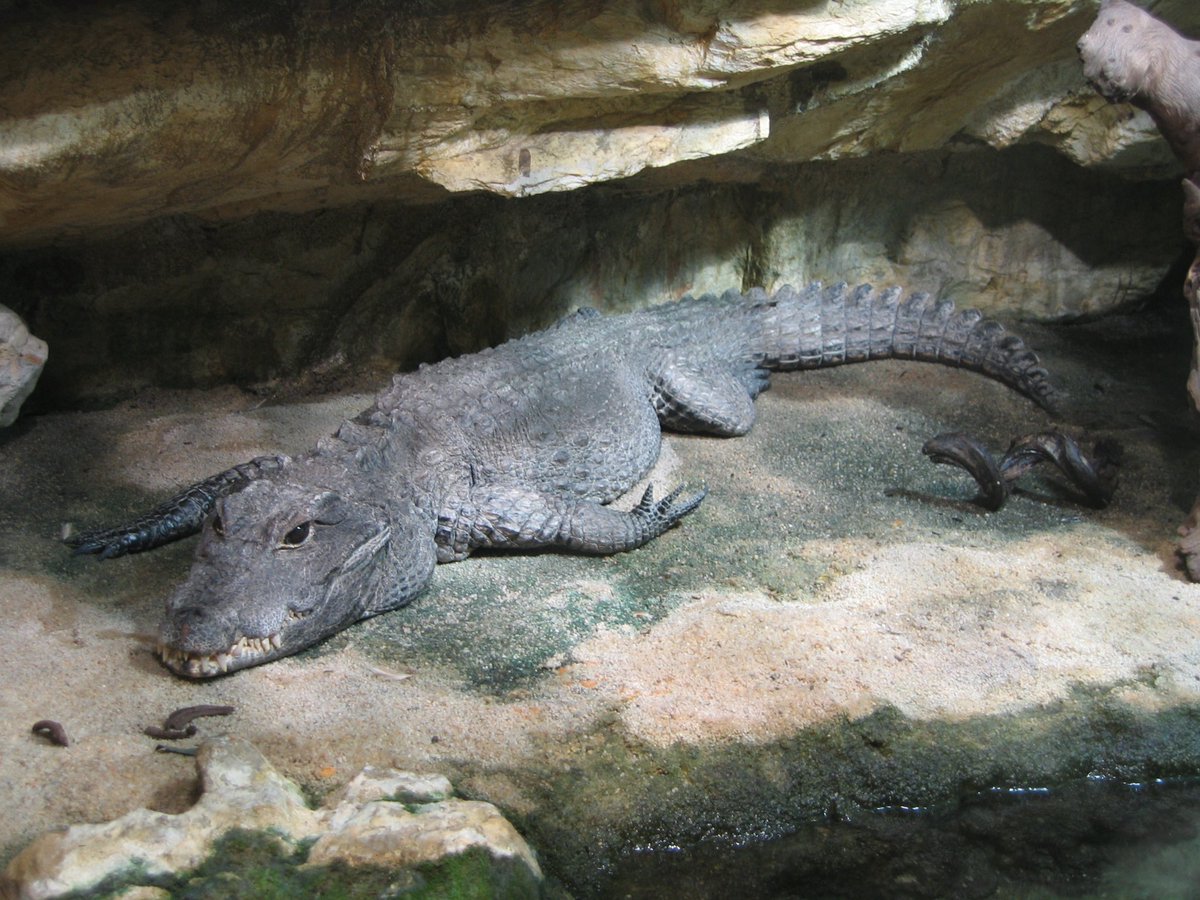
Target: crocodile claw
(656,516)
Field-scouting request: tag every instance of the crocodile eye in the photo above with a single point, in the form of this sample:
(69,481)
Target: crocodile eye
(218,526)
(297,535)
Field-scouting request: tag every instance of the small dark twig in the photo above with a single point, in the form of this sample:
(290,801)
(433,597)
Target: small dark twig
(182,751)
(53,730)
(958,449)
(169,734)
(181,718)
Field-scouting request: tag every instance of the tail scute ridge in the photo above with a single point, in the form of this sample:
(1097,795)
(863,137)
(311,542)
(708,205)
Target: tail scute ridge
(826,326)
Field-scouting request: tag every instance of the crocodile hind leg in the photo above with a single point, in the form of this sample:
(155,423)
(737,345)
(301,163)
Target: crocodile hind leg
(512,517)
(176,518)
(717,399)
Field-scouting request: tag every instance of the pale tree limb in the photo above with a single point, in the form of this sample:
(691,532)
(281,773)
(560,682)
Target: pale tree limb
(1128,55)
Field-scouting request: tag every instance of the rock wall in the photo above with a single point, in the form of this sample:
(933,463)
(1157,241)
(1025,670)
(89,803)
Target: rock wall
(131,111)
(371,288)
(381,819)
(192,195)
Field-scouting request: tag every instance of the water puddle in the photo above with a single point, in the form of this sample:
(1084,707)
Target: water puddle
(1090,839)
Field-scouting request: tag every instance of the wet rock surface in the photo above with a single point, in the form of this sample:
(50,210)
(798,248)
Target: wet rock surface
(838,629)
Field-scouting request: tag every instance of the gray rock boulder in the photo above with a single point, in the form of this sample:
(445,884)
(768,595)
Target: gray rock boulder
(22,357)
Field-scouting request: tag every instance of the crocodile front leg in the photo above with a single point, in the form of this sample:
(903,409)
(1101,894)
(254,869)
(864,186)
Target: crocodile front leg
(512,517)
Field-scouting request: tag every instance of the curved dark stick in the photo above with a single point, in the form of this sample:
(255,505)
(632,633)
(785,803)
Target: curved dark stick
(53,730)
(1095,475)
(169,734)
(958,449)
(176,518)
(182,718)
(182,751)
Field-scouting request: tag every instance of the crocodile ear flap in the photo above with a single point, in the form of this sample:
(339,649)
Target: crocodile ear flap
(365,552)
(405,561)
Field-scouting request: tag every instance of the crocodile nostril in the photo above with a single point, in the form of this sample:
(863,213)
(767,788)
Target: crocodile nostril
(188,617)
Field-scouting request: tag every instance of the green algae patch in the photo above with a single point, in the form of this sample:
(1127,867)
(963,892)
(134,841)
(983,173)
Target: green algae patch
(262,865)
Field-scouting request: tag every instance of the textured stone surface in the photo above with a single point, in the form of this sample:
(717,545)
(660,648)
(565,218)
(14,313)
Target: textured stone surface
(225,109)
(22,357)
(389,834)
(241,789)
(371,289)
(374,783)
(950,146)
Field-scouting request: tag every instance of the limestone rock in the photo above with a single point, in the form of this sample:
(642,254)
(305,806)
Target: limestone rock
(389,834)
(22,357)
(224,109)
(241,789)
(366,291)
(949,146)
(142,892)
(373,783)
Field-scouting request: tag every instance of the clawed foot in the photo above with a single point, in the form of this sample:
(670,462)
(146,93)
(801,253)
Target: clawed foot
(656,516)
(1094,474)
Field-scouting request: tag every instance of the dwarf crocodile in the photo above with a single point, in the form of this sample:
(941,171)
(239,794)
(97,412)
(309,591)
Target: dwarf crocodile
(520,446)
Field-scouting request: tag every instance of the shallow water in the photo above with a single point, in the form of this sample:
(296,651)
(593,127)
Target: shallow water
(1092,839)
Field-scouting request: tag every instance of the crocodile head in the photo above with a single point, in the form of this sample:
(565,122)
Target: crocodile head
(282,565)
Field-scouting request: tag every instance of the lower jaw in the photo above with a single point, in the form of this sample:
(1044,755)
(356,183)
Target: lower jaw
(246,652)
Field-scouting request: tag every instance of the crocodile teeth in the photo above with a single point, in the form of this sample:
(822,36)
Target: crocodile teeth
(245,651)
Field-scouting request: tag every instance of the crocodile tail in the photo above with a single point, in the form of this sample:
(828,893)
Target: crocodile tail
(819,326)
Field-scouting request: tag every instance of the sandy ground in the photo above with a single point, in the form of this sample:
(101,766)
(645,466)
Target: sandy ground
(833,577)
